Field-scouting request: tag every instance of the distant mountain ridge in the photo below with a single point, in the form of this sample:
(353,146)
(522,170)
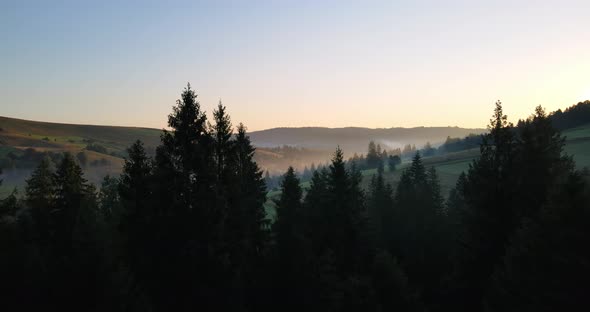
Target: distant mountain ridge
(349,138)
(355,139)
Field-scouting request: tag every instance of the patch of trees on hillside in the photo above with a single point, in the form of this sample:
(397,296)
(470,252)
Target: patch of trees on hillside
(574,116)
(31,158)
(186,230)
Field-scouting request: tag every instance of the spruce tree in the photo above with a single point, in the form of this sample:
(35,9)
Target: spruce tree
(390,282)
(187,151)
(546,265)
(187,245)
(76,258)
(419,218)
(542,163)
(380,209)
(490,214)
(109,199)
(134,187)
(288,228)
(222,134)
(72,193)
(137,218)
(14,261)
(393,161)
(289,233)
(316,200)
(373,155)
(252,191)
(40,198)
(246,230)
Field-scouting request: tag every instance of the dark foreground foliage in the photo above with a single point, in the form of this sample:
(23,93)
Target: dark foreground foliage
(186,230)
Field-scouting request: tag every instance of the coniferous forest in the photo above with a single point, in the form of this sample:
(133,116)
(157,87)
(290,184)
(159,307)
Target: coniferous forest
(186,229)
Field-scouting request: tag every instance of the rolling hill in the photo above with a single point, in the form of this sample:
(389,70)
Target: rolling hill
(23,141)
(353,139)
(315,145)
(450,166)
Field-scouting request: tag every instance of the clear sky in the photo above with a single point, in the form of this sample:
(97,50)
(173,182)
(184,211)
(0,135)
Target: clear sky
(293,63)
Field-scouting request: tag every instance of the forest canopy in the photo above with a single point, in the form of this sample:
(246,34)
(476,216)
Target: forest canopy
(186,228)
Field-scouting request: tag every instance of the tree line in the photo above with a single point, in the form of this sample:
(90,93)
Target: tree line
(187,230)
(573,116)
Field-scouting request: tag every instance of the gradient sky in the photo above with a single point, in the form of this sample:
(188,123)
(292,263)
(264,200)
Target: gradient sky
(293,63)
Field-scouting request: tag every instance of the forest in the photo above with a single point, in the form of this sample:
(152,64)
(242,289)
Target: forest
(185,229)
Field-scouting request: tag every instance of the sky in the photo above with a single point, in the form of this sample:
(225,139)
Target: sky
(376,64)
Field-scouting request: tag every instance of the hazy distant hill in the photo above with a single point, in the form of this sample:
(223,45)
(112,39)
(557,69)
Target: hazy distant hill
(314,145)
(25,133)
(353,139)
(23,143)
(19,132)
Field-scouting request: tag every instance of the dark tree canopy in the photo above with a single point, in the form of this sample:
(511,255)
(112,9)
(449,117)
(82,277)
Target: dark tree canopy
(194,228)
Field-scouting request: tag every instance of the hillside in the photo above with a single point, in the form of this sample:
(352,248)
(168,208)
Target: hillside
(21,133)
(315,145)
(26,133)
(450,166)
(24,142)
(353,139)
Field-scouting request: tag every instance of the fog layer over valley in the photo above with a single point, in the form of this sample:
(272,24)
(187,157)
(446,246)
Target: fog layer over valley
(101,149)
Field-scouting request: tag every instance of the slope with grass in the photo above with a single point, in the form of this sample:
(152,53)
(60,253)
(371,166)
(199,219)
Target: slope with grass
(105,146)
(16,135)
(450,166)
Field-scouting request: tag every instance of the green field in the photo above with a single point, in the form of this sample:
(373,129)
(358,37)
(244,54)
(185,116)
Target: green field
(25,133)
(450,166)
(578,145)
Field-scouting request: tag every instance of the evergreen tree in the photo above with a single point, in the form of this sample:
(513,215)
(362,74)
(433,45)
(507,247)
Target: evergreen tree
(419,219)
(252,191)
(137,218)
(188,152)
(347,212)
(247,224)
(73,196)
(40,198)
(503,190)
(373,155)
(380,208)
(546,265)
(109,199)
(542,164)
(393,161)
(186,247)
(14,288)
(490,215)
(391,285)
(222,133)
(339,232)
(76,258)
(315,202)
(134,188)
(455,207)
(289,232)
(288,227)
(428,150)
